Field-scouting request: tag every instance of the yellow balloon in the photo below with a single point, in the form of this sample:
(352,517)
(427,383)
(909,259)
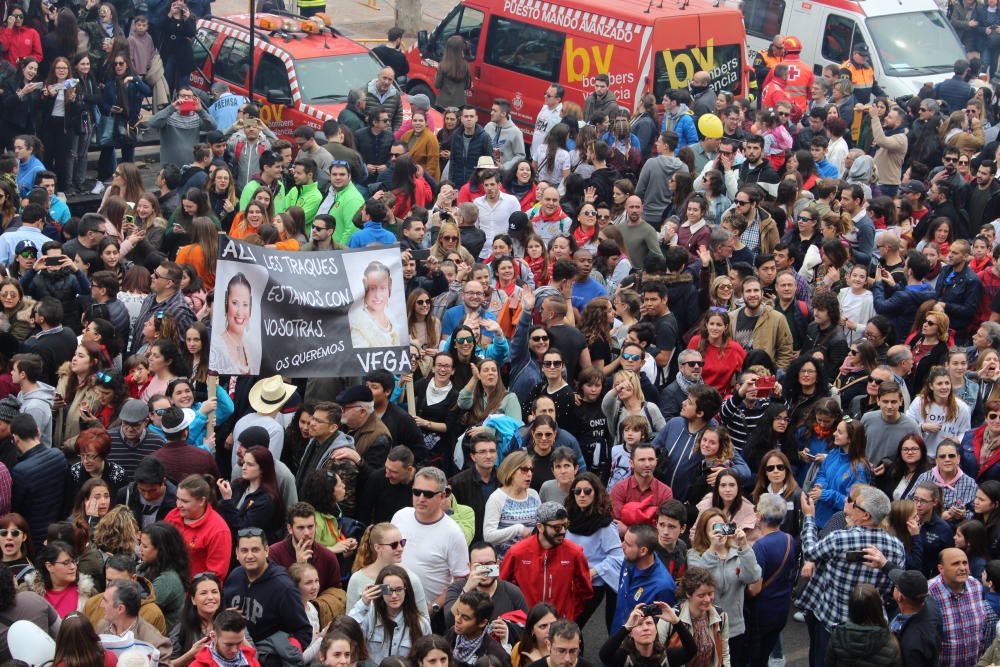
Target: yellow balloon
(710,126)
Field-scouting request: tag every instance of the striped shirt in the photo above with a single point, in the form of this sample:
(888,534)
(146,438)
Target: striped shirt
(741,420)
(128,454)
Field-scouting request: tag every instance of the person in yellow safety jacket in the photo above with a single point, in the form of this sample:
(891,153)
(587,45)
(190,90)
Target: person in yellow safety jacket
(861,74)
(309,8)
(765,60)
(798,85)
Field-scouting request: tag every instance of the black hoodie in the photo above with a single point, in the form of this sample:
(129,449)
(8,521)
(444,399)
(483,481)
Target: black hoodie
(270,604)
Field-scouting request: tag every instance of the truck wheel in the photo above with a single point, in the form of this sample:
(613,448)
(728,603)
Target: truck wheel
(420,88)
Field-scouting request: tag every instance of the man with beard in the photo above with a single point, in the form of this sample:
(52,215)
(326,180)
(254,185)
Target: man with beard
(547,568)
(484,576)
(757,326)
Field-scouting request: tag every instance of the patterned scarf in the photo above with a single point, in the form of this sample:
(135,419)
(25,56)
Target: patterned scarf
(990,444)
(466,649)
(239,661)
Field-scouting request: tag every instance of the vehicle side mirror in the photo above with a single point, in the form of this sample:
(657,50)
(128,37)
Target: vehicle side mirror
(422,39)
(278,97)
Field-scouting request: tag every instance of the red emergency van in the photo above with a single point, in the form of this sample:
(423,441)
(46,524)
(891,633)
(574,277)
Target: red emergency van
(517,48)
(303,69)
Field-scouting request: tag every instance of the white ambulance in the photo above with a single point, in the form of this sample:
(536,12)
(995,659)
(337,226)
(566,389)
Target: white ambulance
(911,41)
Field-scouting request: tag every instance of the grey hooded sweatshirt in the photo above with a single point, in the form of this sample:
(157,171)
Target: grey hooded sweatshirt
(38,404)
(861,173)
(653,186)
(509,139)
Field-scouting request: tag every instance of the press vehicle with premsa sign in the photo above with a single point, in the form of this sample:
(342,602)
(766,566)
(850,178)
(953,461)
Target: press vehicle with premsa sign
(517,48)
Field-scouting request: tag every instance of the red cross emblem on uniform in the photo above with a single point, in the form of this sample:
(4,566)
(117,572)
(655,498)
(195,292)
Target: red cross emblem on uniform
(793,73)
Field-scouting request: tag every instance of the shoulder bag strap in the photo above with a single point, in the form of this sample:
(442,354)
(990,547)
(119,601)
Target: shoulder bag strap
(774,575)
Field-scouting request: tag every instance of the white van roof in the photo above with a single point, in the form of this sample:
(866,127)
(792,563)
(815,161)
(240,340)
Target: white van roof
(879,7)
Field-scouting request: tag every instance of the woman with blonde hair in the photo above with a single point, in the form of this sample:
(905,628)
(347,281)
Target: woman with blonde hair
(626,398)
(836,226)
(721,294)
(903,524)
(510,510)
(929,345)
(727,556)
(117,532)
(381,546)
(963,132)
(222,195)
(421,144)
(449,241)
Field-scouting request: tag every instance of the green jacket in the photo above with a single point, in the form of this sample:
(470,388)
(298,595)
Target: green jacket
(308,198)
(465,517)
(250,188)
(348,201)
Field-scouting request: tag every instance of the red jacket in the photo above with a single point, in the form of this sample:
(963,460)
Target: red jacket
(209,541)
(559,576)
(203,658)
(20,43)
(774,92)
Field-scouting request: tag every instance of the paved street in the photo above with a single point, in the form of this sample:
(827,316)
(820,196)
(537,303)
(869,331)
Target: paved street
(358,21)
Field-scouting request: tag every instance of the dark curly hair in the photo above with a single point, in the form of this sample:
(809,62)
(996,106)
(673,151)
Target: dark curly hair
(317,490)
(694,578)
(171,552)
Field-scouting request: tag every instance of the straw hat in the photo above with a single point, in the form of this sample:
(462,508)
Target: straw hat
(269,394)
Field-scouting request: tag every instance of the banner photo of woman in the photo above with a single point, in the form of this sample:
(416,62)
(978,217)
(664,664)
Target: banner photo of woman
(318,314)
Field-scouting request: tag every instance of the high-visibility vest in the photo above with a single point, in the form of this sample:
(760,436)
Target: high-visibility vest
(862,78)
(799,83)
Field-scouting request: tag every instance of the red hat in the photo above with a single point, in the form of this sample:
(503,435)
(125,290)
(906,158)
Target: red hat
(792,44)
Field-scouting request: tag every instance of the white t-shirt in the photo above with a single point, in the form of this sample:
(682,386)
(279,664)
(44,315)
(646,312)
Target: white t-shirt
(955,430)
(547,119)
(559,165)
(436,551)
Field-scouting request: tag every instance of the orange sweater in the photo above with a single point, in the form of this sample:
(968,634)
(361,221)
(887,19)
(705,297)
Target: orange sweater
(193,255)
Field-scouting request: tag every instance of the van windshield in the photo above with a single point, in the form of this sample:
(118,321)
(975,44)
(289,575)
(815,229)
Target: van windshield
(915,43)
(330,79)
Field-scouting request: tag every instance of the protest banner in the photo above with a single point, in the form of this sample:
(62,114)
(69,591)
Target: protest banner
(308,314)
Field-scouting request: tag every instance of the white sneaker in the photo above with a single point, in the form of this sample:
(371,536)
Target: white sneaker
(799,617)
(98,188)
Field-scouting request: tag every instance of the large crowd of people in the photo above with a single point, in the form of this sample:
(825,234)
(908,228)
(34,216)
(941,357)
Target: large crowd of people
(714,364)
